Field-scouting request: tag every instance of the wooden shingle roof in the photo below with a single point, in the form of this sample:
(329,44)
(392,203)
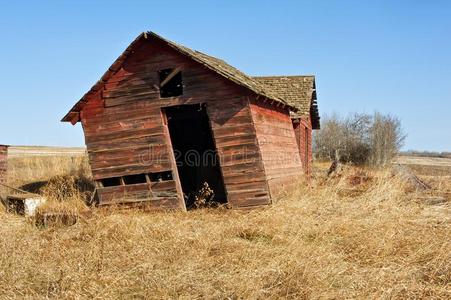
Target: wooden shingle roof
(223,68)
(217,65)
(295,92)
(298,91)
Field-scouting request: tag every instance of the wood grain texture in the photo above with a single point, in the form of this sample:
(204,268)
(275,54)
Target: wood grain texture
(303,131)
(278,147)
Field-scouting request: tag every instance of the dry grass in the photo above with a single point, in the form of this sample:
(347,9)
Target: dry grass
(35,169)
(324,241)
(63,180)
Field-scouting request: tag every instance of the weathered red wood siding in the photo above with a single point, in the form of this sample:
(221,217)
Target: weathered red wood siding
(279,150)
(3,165)
(125,132)
(303,130)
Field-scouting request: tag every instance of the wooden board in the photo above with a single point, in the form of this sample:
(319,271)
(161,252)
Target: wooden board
(158,191)
(303,131)
(278,147)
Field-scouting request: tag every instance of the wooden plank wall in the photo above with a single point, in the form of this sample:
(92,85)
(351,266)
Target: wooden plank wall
(125,132)
(278,147)
(3,165)
(303,131)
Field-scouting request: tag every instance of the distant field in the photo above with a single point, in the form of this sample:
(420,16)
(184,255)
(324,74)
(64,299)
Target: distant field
(25,151)
(429,161)
(426,165)
(426,154)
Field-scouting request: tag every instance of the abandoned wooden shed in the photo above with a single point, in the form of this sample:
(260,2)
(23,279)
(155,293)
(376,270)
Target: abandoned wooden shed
(299,91)
(164,119)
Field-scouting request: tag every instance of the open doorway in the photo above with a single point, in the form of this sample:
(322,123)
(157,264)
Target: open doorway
(195,151)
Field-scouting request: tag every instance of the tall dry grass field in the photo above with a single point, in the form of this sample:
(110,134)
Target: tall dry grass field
(32,169)
(361,235)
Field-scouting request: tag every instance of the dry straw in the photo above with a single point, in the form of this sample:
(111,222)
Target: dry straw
(324,241)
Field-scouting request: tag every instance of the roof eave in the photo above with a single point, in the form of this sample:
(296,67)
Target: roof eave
(95,88)
(119,61)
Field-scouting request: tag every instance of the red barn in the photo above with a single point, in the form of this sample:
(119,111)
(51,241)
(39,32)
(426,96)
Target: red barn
(165,119)
(300,92)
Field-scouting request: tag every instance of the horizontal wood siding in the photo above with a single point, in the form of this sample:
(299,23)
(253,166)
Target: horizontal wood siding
(162,195)
(125,131)
(278,146)
(303,131)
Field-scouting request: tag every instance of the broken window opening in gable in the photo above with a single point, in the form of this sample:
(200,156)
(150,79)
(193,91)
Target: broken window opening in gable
(171,83)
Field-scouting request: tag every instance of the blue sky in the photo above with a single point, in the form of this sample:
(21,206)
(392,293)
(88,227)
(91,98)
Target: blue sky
(390,56)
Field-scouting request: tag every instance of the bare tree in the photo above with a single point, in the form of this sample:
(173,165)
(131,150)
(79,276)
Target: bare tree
(386,138)
(329,141)
(359,138)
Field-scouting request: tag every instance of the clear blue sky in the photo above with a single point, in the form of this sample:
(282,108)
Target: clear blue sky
(390,56)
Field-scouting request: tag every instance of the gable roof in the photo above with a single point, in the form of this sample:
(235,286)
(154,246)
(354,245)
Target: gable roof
(217,65)
(298,91)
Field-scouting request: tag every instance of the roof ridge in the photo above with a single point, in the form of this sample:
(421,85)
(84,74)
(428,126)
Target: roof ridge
(256,86)
(217,65)
(284,76)
(299,91)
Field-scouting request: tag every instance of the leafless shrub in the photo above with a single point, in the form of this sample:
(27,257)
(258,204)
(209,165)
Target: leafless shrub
(359,138)
(443,154)
(386,138)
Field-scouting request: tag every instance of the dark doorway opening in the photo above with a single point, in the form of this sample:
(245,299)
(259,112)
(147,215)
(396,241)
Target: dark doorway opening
(195,152)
